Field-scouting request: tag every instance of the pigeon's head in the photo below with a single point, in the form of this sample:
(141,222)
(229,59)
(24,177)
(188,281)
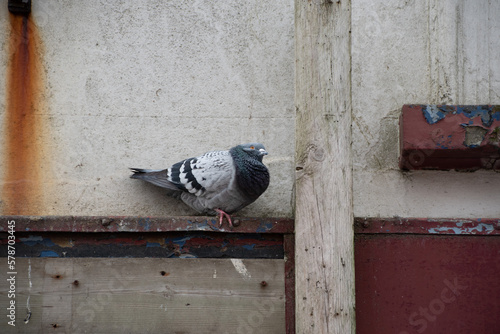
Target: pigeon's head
(255,150)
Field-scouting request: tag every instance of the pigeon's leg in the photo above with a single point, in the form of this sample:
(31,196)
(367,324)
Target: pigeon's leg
(222,214)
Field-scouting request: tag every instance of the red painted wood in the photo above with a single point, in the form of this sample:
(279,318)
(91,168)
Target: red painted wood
(450,137)
(449,226)
(289,248)
(409,284)
(91,224)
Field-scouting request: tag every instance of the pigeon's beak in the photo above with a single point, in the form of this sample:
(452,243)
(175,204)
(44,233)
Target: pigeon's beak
(263,152)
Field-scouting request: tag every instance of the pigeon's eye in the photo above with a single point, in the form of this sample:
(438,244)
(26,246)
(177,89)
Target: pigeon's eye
(252,147)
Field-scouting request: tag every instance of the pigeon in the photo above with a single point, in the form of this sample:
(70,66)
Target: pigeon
(215,183)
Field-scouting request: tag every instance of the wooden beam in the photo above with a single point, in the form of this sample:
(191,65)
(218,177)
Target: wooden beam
(98,224)
(324,213)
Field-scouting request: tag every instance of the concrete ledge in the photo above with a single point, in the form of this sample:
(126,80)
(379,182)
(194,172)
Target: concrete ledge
(450,137)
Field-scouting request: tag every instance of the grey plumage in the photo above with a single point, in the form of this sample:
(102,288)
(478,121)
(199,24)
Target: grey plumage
(216,181)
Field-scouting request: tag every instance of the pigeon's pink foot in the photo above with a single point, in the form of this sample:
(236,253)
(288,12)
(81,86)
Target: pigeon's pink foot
(222,214)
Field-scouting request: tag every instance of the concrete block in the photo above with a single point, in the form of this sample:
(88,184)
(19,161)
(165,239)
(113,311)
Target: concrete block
(450,137)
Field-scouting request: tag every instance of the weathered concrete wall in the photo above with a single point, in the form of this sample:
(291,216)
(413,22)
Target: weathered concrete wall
(438,52)
(148,83)
(145,84)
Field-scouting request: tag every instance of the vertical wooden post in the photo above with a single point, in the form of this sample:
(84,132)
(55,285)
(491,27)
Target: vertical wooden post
(324,215)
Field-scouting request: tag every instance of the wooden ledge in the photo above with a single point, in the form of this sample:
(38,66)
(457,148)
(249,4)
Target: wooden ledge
(99,224)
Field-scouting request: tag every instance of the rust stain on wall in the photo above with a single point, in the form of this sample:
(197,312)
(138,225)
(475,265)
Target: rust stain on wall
(22,191)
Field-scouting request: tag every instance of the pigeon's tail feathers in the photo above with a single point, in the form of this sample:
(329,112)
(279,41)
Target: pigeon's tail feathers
(158,177)
(142,170)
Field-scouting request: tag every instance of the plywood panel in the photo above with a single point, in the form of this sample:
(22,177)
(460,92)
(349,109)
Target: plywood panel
(95,295)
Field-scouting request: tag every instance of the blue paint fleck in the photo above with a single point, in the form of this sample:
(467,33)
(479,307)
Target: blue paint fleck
(264,227)
(487,228)
(485,112)
(436,230)
(34,240)
(178,241)
(145,223)
(204,225)
(49,254)
(433,114)
(153,244)
(483,227)
(249,247)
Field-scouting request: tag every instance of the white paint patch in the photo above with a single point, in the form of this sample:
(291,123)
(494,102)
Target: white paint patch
(28,308)
(241,268)
(215,274)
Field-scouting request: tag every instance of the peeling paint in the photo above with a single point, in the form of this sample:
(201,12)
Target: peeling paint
(178,241)
(147,244)
(463,141)
(264,227)
(460,229)
(201,226)
(33,240)
(474,135)
(480,226)
(435,113)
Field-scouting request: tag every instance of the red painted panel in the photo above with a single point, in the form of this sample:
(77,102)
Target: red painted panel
(289,248)
(408,284)
(450,137)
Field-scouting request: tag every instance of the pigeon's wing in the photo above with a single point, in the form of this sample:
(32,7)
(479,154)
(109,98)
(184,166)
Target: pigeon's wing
(205,175)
